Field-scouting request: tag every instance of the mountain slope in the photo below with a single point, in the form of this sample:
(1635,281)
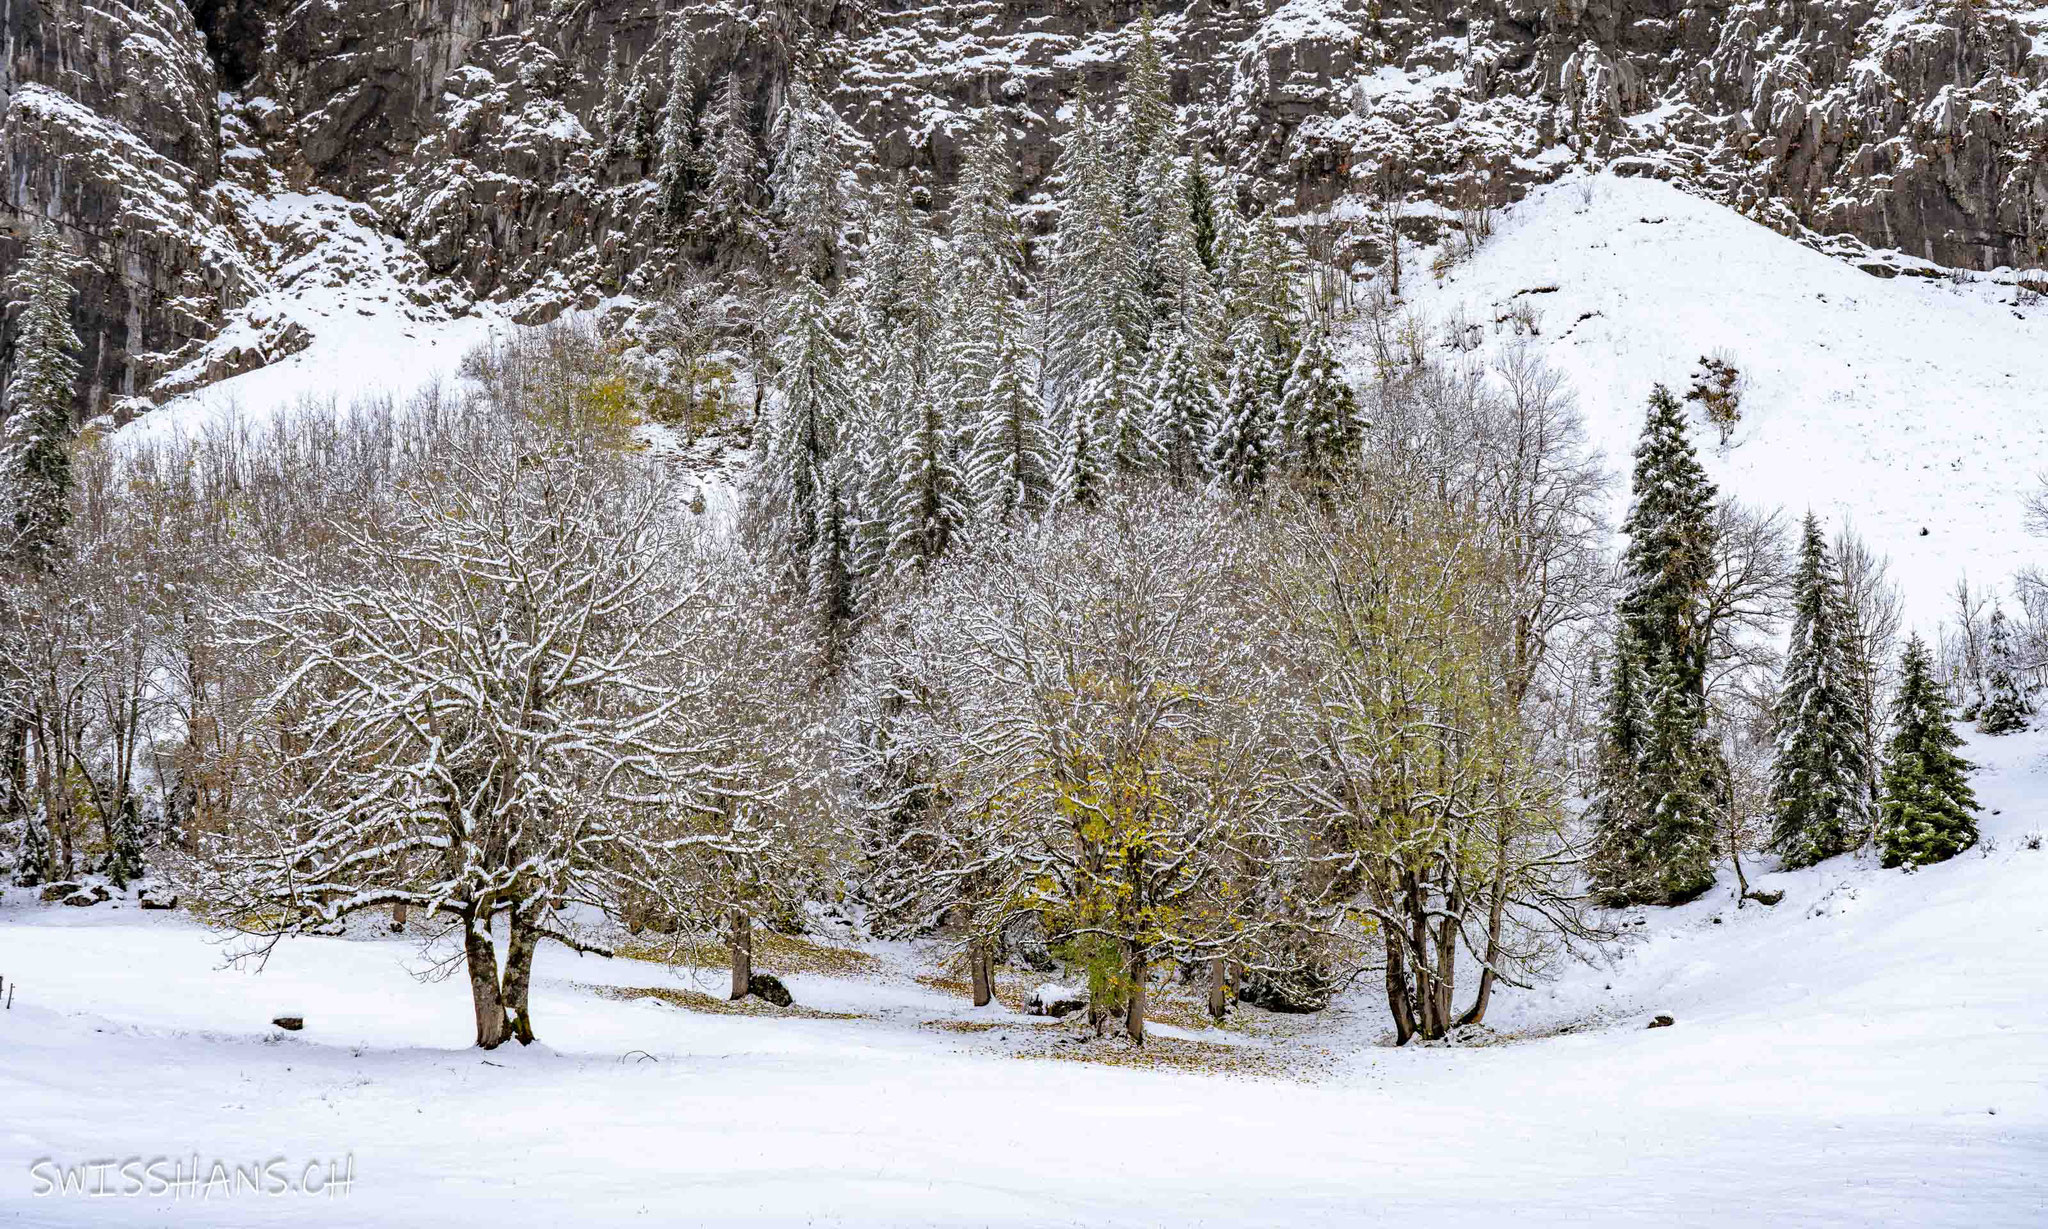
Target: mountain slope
(1896,404)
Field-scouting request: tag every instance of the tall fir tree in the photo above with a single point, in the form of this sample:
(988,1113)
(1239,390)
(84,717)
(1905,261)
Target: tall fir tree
(807,186)
(729,213)
(1657,833)
(984,222)
(1095,271)
(1616,809)
(2007,703)
(32,861)
(1817,790)
(1927,813)
(676,154)
(802,436)
(1009,464)
(1182,405)
(1243,444)
(1319,413)
(35,440)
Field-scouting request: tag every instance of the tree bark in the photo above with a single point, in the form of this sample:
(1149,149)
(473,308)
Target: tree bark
(485,993)
(982,971)
(742,943)
(398,912)
(1476,1014)
(519,975)
(1219,991)
(1398,1003)
(1134,1008)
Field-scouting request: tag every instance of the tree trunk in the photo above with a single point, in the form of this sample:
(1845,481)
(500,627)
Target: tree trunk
(1476,1014)
(398,912)
(982,970)
(484,990)
(742,943)
(1398,1004)
(519,975)
(1219,991)
(1134,1009)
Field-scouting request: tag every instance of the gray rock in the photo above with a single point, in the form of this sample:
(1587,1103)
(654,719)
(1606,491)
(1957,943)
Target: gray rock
(290,1024)
(1662,1022)
(769,988)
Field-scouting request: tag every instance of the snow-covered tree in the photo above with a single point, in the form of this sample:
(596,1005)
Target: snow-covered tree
(2007,704)
(1009,463)
(796,446)
(1927,813)
(493,708)
(730,215)
(1244,442)
(1182,405)
(930,505)
(1319,415)
(1817,790)
(808,184)
(984,222)
(1656,827)
(35,439)
(676,154)
(1098,308)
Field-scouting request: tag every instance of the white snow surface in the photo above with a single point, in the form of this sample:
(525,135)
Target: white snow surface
(1871,1051)
(1896,405)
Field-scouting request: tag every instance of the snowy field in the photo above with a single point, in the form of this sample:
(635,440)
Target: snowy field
(1898,405)
(1872,1051)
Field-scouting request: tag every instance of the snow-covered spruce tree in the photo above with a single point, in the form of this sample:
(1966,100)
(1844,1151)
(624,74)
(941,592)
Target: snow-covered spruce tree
(35,439)
(807,185)
(32,862)
(679,170)
(1095,272)
(930,505)
(1615,807)
(1658,832)
(1244,442)
(1084,442)
(2007,705)
(730,216)
(1319,415)
(1927,813)
(1817,788)
(795,447)
(1009,464)
(984,222)
(491,707)
(124,852)
(1182,405)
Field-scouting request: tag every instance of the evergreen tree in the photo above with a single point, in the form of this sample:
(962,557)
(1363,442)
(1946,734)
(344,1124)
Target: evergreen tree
(1083,468)
(802,436)
(32,865)
(1182,404)
(830,570)
(1096,273)
(1817,789)
(984,224)
(1657,821)
(1319,415)
(808,184)
(1202,208)
(1241,450)
(729,215)
(2006,705)
(1009,461)
(1616,808)
(676,143)
(124,852)
(1927,813)
(35,440)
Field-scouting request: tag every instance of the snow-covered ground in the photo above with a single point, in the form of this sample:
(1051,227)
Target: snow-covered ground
(1871,1051)
(1901,405)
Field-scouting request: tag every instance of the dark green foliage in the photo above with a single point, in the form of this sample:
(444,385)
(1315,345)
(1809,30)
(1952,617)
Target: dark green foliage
(32,862)
(1927,813)
(35,442)
(124,857)
(2006,706)
(1659,775)
(1817,799)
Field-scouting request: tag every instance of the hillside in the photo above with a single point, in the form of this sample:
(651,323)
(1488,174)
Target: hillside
(1895,405)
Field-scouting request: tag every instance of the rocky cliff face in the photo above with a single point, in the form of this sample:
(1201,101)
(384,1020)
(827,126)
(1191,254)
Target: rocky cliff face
(213,158)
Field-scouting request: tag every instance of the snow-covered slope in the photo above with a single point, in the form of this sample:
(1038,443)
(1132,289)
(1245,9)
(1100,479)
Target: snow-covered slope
(1901,405)
(1869,1052)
